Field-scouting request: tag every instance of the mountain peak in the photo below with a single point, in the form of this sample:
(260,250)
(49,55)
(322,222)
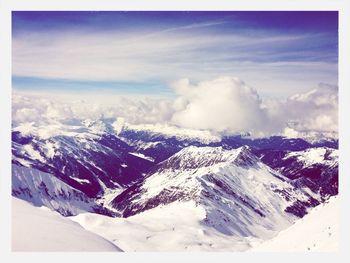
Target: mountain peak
(193,157)
(100,125)
(245,157)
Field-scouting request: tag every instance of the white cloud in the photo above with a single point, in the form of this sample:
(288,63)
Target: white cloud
(316,110)
(26,115)
(228,104)
(44,108)
(225,105)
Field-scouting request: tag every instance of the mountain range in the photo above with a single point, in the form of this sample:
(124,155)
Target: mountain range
(242,187)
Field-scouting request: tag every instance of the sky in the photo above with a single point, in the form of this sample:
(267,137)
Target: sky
(265,73)
(144,53)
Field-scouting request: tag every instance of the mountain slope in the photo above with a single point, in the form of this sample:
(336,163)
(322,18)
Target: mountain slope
(89,158)
(40,230)
(173,227)
(173,191)
(94,158)
(318,231)
(43,189)
(241,195)
(313,168)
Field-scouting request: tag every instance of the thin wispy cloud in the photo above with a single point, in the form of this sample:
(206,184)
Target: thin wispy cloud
(167,49)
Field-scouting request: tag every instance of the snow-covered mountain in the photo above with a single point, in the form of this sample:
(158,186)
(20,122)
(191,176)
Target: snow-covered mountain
(43,189)
(163,131)
(41,230)
(89,159)
(224,189)
(202,199)
(96,165)
(313,168)
(154,132)
(240,195)
(161,142)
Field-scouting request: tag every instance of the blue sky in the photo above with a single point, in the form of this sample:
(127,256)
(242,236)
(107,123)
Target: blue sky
(277,53)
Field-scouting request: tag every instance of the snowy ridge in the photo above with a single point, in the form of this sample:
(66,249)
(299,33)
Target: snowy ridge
(319,155)
(311,136)
(53,129)
(315,169)
(140,155)
(86,128)
(140,145)
(194,157)
(203,136)
(99,126)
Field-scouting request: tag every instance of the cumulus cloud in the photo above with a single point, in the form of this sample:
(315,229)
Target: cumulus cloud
(316,110)
(228,105)
(225,105)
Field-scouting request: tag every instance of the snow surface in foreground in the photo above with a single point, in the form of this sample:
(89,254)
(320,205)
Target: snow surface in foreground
(40,229)
(174,227)
(317,231)
(177,227)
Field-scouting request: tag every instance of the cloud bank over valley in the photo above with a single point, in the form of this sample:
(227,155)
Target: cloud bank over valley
(225,105)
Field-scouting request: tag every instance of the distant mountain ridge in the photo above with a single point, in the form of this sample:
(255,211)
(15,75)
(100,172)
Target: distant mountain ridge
(313,168)
(91,157)
(88,163)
